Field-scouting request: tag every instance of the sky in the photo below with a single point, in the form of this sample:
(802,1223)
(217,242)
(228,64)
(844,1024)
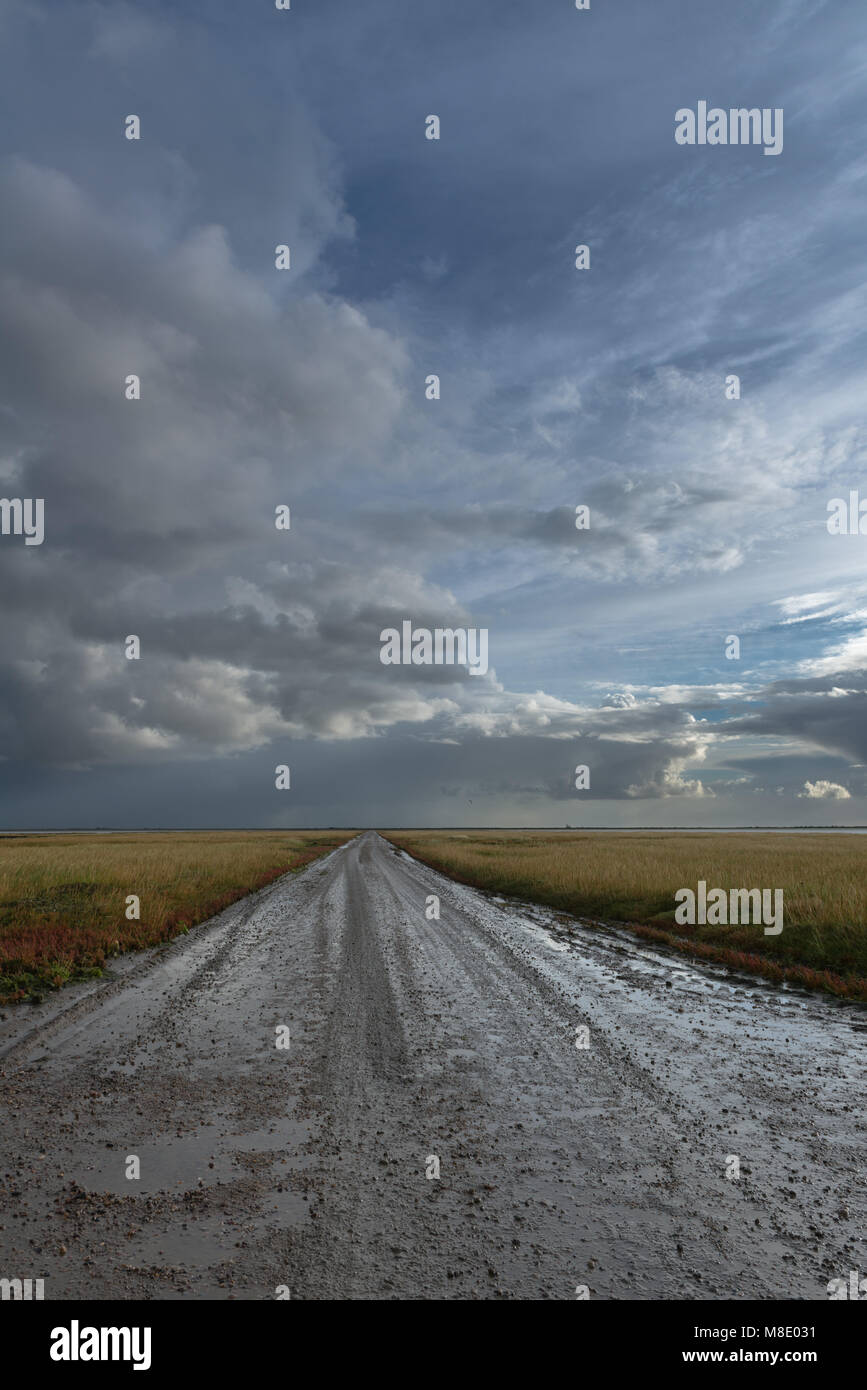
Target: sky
(260,388)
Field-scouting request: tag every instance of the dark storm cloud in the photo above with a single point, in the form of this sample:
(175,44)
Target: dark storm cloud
(307,389)
(830,715)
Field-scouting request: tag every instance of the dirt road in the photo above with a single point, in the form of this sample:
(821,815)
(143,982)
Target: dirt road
(413,1040)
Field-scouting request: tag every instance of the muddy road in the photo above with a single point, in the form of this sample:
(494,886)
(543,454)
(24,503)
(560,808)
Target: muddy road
(412,1043)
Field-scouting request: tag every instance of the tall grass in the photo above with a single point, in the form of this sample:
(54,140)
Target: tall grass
(632,878)
(63,897)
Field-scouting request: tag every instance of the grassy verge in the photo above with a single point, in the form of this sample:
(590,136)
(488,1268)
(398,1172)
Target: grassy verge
(632,879)
(63,897)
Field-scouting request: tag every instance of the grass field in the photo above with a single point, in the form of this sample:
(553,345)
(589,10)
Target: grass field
(632,878)
(63,897)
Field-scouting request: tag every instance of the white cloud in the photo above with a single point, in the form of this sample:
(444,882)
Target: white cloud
(824,791)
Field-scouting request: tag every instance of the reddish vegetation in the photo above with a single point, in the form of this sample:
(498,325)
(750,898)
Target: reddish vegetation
(851,988)
(53,931)
(55,950)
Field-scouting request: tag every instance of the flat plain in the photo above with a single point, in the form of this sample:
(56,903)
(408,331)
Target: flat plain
(632,878)
(63,898)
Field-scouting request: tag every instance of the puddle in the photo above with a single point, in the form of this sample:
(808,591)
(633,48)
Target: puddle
(179,1163)
(286,1208)
(191,1248)
(175,1163)
(546,938)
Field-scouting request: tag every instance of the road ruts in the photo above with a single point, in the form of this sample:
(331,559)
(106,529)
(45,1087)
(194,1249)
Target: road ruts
(418,1046)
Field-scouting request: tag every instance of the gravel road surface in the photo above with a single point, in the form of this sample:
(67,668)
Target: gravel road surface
(418,1046)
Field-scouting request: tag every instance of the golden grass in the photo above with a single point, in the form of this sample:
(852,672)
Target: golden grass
(63,897)
(633,877)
